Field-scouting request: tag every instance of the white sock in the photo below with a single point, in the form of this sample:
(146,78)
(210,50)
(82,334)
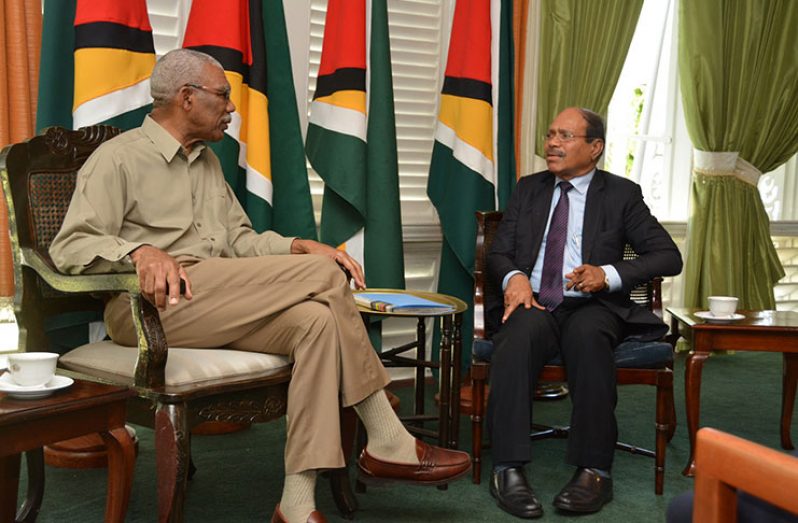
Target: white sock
(387,437)
(299,496)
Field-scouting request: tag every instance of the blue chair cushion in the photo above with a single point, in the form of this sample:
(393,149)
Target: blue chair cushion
(629,354)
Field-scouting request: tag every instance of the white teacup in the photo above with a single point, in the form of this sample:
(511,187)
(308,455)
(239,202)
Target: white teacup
(722,306)
(30,369)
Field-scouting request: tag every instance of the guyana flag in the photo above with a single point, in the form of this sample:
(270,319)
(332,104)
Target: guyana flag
(261,153)
(351,140)
(96,60)
(473,165)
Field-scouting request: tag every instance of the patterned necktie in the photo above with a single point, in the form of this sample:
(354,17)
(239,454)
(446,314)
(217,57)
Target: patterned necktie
(551,292)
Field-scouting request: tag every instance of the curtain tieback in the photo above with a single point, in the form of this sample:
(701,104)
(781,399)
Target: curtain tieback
(711,163)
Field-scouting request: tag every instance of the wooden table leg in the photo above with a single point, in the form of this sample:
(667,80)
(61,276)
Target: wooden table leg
(29,511)
(445,377)
(788,386)
(9,481)
(121,460)
(454,407)
(421,376)
(692,394)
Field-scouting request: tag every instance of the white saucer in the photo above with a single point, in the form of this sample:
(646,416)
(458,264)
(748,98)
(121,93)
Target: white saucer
(8,386)
(711,318)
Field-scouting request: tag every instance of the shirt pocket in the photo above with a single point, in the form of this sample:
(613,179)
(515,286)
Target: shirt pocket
(212,214)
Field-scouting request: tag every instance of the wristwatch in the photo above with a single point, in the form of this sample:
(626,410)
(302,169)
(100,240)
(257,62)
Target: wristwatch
(606,282)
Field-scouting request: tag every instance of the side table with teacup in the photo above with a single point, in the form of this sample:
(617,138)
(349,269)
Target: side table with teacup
(37,408)
(724,328)
(31,375)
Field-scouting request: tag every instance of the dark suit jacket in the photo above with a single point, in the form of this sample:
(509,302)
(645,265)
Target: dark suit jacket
(615,215)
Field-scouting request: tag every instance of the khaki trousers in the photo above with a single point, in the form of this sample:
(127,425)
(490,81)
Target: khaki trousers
(295,305)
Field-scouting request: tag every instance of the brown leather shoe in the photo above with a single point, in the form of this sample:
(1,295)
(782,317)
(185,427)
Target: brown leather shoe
(315,516)
(436,467)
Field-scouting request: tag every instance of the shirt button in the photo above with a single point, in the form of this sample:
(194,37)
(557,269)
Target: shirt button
(199,225)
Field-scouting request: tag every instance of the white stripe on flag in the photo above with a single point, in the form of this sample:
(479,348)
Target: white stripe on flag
(257,183)
(338,119)
(234,129)
(104,107)
(465,153)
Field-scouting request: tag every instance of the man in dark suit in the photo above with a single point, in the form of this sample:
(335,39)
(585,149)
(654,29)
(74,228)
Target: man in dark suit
(558,255)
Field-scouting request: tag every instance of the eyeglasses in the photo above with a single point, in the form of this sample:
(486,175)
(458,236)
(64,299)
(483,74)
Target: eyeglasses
(564,136)
(224,94)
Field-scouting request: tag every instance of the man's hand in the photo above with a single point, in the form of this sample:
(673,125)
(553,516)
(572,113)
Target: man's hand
(587,278)
(519,292)
(342,258)
(159,273)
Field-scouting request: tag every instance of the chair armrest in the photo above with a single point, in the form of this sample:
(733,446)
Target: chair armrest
(84,283)
(725,463)
(153,349)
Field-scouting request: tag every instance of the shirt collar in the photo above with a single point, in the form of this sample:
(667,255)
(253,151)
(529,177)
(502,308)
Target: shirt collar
(166,144)
(580,183)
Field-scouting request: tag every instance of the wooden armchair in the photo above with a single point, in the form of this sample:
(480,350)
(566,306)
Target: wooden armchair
(177,388)
(726,463)
(637,363)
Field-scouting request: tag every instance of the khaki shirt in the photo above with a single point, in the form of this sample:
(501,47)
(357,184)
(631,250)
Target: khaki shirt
(140,188)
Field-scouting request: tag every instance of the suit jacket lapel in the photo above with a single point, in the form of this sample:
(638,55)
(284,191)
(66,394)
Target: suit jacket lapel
(594,205)
(541,205)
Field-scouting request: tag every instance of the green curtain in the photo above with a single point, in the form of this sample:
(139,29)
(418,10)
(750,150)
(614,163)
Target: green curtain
(583,46)
(738,64)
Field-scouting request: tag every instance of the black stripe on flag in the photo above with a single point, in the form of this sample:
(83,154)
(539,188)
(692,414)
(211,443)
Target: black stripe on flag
(114,36)
(344,79)
(467,88)
(231,59)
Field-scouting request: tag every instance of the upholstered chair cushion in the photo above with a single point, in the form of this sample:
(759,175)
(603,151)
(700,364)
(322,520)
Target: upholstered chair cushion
(183,366)
(631,354)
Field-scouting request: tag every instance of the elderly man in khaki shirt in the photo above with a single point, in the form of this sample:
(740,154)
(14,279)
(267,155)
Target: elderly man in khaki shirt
(155,197)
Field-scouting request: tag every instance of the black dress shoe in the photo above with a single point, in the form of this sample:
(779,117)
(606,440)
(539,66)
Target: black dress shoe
(586,492)
(513,493)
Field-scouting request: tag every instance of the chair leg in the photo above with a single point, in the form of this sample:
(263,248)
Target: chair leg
(344,498)
(479,374)
(663,430)
(192,469)
(172,454)
(671,418)
(340,484)
(360,444)
(789,384)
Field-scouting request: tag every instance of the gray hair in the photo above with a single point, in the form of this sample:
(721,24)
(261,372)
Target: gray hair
(175,69)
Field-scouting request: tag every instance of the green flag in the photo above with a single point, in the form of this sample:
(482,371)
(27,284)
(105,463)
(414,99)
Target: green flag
(473,165)
(96,60)
(261,153)
(351,141)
